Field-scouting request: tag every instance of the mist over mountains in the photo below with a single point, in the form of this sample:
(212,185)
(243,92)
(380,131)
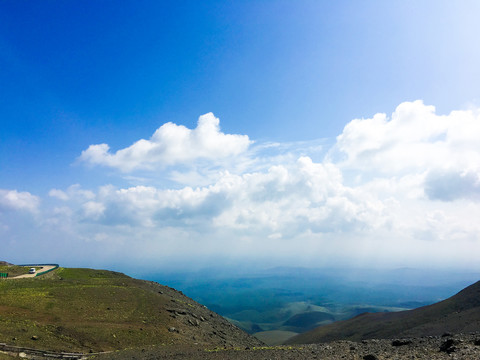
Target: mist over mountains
(457,314)
(289,301)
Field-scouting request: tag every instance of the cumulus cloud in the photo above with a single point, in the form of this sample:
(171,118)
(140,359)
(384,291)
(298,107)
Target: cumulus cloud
(15,200)
(171,144)
(413,139)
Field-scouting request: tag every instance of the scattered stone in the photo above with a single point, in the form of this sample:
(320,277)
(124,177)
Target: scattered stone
(172,329)
(420,348)
(193,322)
(34,337)
(448,346)
(401,342)
(476,342)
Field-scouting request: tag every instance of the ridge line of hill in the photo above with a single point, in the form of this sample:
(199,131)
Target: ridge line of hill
(457,314)
(87,310)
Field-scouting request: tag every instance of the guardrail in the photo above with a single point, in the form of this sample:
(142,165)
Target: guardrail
(47,271)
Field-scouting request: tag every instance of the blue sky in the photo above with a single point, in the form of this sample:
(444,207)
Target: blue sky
(280,168)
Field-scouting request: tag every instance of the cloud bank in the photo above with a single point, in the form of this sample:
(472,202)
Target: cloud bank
(399,190)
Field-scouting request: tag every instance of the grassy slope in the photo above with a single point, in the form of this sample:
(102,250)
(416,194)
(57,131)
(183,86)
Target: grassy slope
(460,313)
(90,309)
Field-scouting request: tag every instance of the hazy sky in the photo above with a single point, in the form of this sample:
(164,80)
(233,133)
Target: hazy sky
(192,133)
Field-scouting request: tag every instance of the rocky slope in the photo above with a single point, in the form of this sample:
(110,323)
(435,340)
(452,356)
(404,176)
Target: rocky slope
(433,348)
(458,314)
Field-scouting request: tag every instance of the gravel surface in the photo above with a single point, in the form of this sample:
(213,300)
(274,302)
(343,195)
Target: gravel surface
(446,347)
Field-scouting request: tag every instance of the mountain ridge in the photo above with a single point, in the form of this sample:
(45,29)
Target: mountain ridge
(457,314)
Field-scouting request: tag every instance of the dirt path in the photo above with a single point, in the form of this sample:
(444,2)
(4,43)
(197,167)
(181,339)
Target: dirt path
(42,268)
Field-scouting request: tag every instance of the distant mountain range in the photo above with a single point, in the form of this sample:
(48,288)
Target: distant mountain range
(278,303)
(457,314)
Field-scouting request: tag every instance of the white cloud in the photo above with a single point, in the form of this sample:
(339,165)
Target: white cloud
(171,144)
(73,192)
(93,210)
(59,194)
(413,139)
(15,200)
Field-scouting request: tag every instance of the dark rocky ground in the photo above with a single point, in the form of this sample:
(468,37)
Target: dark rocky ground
(461,346)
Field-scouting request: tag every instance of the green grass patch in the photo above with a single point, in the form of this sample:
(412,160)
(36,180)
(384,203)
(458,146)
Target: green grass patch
(91,309)
(14,270)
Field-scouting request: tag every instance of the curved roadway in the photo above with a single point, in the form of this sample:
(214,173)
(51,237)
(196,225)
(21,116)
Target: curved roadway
(42,269)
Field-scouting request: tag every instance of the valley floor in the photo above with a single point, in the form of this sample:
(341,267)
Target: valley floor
(446,347)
